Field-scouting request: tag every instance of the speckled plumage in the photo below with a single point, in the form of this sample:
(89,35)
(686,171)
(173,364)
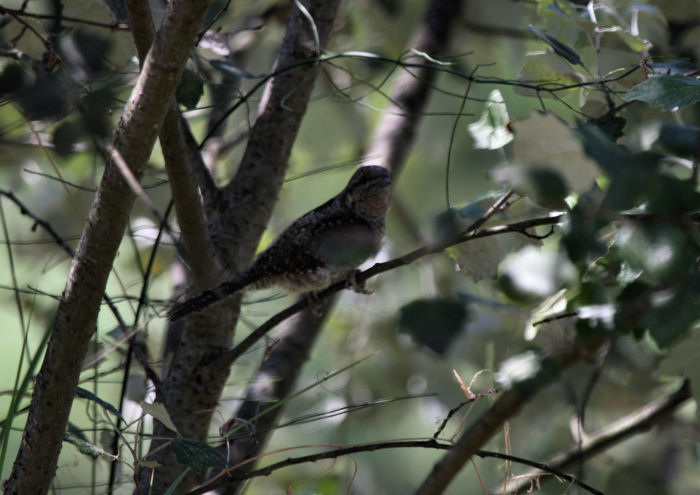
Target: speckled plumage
(319,248)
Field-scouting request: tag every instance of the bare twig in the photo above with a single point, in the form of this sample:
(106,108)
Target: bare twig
(234,474)
(634,423)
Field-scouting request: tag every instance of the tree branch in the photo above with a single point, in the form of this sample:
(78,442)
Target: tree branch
(75,321)
(376,269)
(634,423)
(234,473)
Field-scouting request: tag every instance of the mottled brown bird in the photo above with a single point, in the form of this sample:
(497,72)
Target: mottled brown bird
(325,245)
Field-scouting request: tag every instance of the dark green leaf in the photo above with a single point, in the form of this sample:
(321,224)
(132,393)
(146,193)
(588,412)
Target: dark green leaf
(94,49)
(672,197)
(674,68)
(190,89)
(662,252)
(633,176)
(581,231)
(561,49)
(231,70)
(96,108)
(681,140)
(11,79)
(611,126)
(45,98)
(65,136)
(671,318)
(197,455)
(86,394)
(433,323)
(446,226)
(543,185)
(667,92)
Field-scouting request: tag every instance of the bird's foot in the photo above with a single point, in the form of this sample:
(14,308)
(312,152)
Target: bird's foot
(358,287)
(315,304)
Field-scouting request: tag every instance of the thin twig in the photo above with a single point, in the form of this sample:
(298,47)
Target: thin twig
(372,447)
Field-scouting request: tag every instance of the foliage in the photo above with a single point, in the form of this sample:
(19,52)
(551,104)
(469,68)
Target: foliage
(577,120)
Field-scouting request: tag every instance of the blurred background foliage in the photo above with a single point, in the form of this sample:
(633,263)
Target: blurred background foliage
(600,152)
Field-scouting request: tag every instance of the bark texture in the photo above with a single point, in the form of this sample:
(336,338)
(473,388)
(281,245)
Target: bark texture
(35,465)
(392,142)
(237,215)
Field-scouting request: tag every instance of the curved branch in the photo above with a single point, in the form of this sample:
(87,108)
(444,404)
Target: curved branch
(233,474)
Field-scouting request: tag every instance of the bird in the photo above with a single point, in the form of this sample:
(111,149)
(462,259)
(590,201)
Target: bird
(322,247)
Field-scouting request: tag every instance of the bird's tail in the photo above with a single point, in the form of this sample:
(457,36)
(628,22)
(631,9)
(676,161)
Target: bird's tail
(208,297)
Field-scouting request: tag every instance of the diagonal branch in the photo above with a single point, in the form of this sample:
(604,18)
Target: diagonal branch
(519,227)
(634,423)
(76,318)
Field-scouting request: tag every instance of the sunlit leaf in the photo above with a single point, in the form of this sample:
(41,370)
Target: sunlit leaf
(532,274)
(491,130)
(518,368)
(478,259)
(662,252)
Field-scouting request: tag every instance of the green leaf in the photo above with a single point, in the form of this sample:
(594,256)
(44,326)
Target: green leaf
(633,176)
(672,315)
(634,42)
(544,139)
(580,237)
(86,394)
(545,67)
(84,447)
(491,130)
(197,455)
(433,323)
(667,92)
(674,68)
(541,184)
(11,79)
(561,49)
(683,140)
(159,412)
(65,135)
(45,98)
(532,274)
(671,196)
(190,89)
(662,252)
(519,368)
(231,70)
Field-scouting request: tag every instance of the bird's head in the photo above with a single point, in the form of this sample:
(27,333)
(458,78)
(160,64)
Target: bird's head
(369,190)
